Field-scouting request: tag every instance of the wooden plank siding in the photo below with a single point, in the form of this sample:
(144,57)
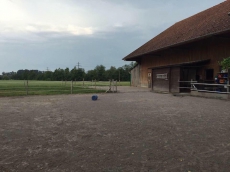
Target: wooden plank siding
(135,76)
(174,77)
(213,48)
(161,85)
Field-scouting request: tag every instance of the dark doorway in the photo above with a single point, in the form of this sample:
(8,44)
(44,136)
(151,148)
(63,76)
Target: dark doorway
(187,74)
(209,74)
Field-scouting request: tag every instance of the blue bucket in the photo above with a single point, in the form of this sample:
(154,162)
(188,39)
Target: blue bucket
(94,97)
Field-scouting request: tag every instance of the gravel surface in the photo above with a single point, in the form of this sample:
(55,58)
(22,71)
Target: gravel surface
(133,130)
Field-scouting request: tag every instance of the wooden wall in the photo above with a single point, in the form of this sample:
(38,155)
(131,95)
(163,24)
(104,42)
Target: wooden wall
(161,85)
(174,77)
(214,49)
(135,76)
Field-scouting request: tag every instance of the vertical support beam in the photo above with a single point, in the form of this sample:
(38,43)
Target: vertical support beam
(169,78)
(130,78)
(191,84)
(228,80)
(152,79)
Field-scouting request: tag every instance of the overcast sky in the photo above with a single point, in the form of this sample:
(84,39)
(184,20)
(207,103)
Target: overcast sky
(41,34)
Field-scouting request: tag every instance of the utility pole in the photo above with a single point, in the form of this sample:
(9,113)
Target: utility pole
(78,65)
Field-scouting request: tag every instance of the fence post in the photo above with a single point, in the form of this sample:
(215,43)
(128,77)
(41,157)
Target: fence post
(228,86)
(116,86)
(191,84)
(113,85)
(95,83)
(27,87)
(110,85)
(83,82)
(71,87)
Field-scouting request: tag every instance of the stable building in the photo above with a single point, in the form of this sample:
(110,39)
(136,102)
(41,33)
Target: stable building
(190,50)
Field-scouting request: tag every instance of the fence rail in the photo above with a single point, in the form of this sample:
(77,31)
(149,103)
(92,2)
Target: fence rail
(205,87)
(211,88)
(22,88)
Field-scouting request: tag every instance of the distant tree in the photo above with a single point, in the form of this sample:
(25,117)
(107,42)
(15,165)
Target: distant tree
(91,75)
(48,75)
(100,72)
(58,74)
(112,73)
(77,74)
(5,77)
(67,75)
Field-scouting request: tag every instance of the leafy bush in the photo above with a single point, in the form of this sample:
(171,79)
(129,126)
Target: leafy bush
(225,63)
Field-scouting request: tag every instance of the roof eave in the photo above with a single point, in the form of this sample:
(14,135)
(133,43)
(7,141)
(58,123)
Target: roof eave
(177,44)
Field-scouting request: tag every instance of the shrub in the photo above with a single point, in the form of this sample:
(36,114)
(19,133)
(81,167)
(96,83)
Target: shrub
(225,63)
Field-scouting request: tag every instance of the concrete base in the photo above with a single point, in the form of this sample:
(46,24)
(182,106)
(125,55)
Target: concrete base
(210,95)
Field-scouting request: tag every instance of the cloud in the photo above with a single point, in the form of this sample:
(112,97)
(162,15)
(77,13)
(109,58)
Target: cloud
(62,17)
(36,34)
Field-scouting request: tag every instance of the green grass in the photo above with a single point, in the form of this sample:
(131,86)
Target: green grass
(18,87)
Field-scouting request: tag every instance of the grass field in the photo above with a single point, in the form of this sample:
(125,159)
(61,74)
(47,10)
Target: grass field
(18,87)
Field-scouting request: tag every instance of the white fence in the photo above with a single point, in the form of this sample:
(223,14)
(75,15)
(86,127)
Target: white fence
(205,87)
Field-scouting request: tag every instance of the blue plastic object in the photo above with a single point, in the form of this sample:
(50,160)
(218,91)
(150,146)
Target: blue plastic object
(94,97)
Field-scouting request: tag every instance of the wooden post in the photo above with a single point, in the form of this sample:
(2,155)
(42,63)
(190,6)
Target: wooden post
(92,82)
(75,81)
(228,86)
(191,84)
(110,85)
(95,83)
(65,82)
(71,87)
(113,85)
(27,87)
(116,85)
(83,82)
(228,80)
(119,78)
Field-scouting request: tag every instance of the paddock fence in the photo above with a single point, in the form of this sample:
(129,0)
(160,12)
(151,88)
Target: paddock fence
(31,87)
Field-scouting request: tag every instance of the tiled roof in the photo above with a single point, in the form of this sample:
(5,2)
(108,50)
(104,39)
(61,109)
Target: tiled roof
(209,22)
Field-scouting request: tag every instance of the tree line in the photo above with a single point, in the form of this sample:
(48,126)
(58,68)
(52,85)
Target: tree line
(99,73)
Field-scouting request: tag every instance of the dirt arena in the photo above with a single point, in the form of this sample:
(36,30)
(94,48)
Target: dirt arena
(131,131)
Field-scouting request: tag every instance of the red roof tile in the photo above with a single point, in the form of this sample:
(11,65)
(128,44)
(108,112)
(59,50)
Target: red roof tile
(209,22)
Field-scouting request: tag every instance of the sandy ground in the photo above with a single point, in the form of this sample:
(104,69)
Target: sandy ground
(131,131)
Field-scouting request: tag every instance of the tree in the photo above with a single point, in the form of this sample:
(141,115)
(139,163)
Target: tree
(225,63)
(100,72)
(77,74)
(112,73)
(67,74)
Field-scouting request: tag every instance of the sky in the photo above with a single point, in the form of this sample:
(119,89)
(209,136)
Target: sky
(51,34)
